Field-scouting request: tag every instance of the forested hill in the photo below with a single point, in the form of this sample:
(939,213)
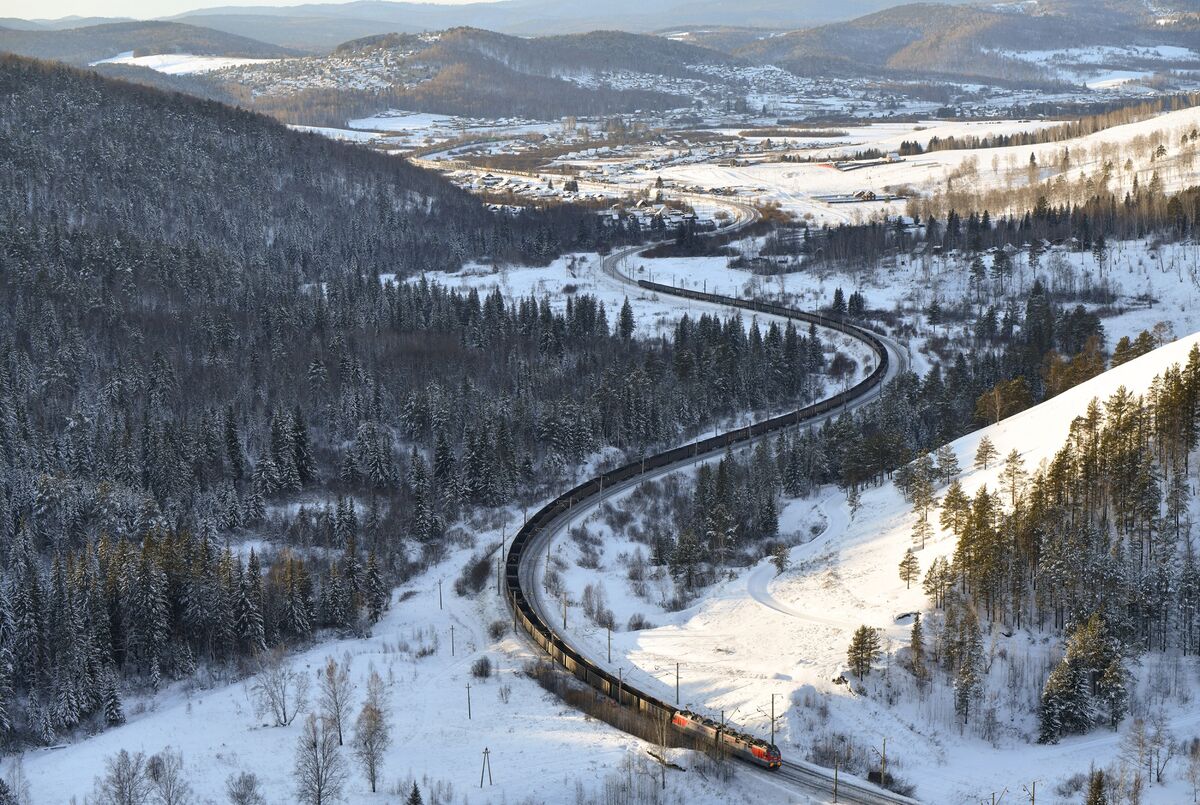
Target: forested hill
(77,152)
(196,349)
(89,43)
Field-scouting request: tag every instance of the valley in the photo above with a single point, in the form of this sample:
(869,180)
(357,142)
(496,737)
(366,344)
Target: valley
(615,403)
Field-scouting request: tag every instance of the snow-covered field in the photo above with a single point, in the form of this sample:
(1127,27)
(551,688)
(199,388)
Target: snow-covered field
(346,135)
(796,186)
(181,63)
(1103,66)
(761,634)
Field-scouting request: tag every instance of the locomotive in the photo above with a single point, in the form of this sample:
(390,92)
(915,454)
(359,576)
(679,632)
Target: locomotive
(746,747)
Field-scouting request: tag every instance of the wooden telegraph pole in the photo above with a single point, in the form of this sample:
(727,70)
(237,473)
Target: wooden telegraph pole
(468,701)
(452,640)
(439,593)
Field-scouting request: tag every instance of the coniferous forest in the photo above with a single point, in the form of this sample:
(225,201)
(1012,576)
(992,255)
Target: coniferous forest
(175,368)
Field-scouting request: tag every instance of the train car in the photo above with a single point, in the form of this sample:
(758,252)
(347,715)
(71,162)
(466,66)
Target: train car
(741,745)
(747,747)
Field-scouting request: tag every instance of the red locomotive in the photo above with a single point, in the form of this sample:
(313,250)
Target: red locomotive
(747,747)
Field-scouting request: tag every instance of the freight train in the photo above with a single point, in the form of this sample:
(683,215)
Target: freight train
(746,747)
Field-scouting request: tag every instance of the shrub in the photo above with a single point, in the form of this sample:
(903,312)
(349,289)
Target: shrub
(481,668)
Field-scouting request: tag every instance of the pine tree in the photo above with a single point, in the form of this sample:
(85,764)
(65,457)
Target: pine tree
(779,558)
(956,508)
(947,464)
(865,648)
(922,531)
(1012,477)
(985,453)
(1096,794)
(414,796)
(910,568)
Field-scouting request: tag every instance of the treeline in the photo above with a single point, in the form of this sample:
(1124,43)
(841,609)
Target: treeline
(1089,124)
(154,609)
(1103,218)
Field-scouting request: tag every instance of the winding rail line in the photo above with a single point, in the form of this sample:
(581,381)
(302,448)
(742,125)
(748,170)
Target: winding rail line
(520,564)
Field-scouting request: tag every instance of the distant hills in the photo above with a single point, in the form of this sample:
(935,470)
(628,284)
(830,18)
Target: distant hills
(81,46)
(505,64)
(966,40)
(316,25)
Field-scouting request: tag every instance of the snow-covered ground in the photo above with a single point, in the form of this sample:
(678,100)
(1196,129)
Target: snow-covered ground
(797,186)
(181,63)
(761,634)
(539,748)
(346,135)
(1104,66)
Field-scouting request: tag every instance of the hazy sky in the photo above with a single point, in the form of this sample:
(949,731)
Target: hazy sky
(146,9)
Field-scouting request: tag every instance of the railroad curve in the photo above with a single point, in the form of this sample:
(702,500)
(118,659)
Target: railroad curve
(523,592)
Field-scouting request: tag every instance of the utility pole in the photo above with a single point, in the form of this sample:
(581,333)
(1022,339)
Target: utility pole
(452,640)
(468,701)
(487,766)
(564,610)
(620,684)
(439,593)
(835,780)
(773,695)
(677,686)
(609,629)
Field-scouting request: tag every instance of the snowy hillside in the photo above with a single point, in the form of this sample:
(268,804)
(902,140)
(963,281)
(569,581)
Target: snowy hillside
(763,634)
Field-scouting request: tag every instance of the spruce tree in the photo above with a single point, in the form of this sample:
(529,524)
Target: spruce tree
(625,321)
(375,594)
(916,645)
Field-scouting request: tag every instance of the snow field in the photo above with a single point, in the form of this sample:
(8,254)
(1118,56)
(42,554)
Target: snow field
(181,63)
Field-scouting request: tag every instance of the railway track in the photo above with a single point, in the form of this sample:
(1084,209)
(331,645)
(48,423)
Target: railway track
(522,586)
